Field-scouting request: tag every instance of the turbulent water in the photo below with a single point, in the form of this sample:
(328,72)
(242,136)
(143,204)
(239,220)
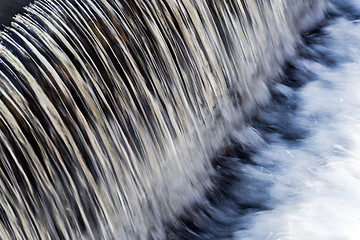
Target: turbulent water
(310,161)
(175,120)
(299,177)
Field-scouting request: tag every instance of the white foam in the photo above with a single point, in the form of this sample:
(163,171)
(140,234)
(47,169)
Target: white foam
(315,191)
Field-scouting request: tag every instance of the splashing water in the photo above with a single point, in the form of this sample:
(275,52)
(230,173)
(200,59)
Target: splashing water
(311,163)
(111,111)
(297,174)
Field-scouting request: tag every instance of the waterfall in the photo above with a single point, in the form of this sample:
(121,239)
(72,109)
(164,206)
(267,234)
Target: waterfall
(111,110)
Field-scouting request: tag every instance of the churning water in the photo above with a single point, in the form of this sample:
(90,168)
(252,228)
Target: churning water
(169,119)
(311,157)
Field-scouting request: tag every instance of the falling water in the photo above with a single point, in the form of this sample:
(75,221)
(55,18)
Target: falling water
(111,111)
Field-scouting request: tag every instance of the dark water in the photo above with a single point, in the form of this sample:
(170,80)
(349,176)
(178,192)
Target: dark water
(8,9)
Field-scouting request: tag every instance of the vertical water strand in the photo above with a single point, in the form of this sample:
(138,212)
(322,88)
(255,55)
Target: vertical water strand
(112,110)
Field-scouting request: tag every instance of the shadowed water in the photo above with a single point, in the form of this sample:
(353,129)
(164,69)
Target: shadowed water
(9,8)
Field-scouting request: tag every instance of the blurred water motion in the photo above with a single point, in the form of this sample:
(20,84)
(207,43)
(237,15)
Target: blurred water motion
(112,111)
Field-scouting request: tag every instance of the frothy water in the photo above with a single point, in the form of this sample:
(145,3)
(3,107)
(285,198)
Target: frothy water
(310,161)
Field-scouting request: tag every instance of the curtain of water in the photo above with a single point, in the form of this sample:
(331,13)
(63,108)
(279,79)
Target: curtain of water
(110,110)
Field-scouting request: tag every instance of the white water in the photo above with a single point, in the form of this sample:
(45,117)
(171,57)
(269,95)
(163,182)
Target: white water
(314,179)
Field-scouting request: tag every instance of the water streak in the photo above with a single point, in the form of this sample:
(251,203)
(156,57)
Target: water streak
(110,111)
